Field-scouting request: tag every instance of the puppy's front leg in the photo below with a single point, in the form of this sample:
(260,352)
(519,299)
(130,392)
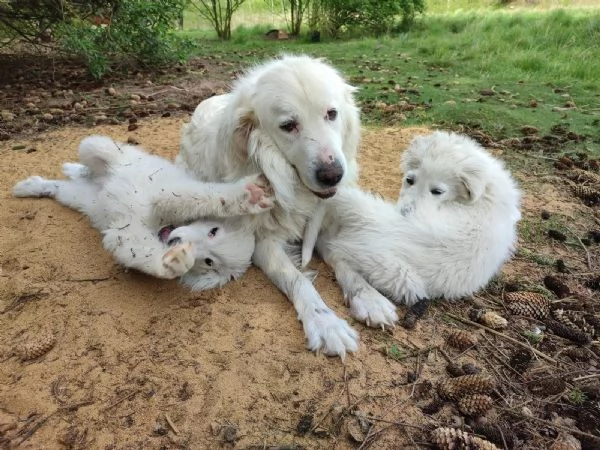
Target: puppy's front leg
(365,303)
(323,329)
(191,200)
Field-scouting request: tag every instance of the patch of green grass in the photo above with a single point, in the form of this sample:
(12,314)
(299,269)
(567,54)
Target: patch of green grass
(534,338)
(395,352)
(495,71)
(577,397)
(538,258)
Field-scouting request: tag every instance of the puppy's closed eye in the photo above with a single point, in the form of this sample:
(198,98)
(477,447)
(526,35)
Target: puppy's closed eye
(437,191)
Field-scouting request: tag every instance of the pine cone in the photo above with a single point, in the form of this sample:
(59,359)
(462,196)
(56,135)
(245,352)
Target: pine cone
(578,353)
(583,176)
(580,320)
(38,346)
(455,388)
(566,442)
(461,339)
(475,405)
(560,289)
(470,369)
(455,370)
(547,386)
(414,313)
(497,433)
(454,439)
(590,196)
(574,319)
(520,360)
(567,332)
(433,407)
(529,304)
(493,320)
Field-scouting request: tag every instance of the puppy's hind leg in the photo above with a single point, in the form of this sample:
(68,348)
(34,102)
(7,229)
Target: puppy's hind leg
(36,186)
(366,304)
(75,194)
(135,246)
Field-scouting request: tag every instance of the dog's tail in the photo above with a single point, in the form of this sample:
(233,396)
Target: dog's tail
(99,153)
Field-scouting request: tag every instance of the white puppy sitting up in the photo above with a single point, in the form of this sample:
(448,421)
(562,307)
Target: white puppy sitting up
(119,186)
(452,228)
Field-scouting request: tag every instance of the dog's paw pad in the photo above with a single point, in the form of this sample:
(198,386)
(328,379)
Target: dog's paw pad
(261,193)
(178,260)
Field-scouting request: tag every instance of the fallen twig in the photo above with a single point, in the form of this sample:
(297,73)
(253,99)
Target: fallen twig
(83,280)
(171,424)
(121,399)
(504,336)
(587,253)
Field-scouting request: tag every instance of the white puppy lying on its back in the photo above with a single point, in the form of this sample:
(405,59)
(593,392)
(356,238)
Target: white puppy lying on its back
(453,227)
(120,187)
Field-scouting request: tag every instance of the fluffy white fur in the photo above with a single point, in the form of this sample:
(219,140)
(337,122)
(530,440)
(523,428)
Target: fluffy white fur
(120,188)
(293,119)
(452,228)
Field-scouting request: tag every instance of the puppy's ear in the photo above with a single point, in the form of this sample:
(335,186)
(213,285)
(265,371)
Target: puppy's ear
(245,122)
(472,185)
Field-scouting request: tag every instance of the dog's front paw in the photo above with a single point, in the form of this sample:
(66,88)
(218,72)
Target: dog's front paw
(329,334)
(34,187)
(372,308)
(178,260)
(261,196)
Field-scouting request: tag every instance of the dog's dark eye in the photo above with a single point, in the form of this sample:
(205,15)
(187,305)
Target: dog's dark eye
(289,126)
(213,232)
(437,191)
(410,181)
(208,262)
(332,114)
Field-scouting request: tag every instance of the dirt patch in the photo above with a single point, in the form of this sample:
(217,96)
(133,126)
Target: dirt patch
(128,361)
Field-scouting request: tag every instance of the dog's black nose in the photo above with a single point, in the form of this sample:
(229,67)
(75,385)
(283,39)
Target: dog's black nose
(330,174)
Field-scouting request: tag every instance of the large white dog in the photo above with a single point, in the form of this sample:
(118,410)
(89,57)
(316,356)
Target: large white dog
(120,187)
(452,228)
(293,119)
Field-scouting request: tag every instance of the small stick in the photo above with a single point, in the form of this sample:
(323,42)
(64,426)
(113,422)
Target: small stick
(83,280)
(171,424)
(587,254)
(121,399)
(586,377)
(400,424)
(504,336)
(370,437)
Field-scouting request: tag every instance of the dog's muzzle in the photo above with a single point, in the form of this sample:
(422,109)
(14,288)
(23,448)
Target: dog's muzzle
(330,174)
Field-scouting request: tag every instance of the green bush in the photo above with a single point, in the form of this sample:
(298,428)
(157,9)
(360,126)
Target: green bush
(139,33)
(371,17)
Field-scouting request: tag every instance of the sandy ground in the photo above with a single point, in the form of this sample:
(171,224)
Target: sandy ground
(140,363)
(227,367)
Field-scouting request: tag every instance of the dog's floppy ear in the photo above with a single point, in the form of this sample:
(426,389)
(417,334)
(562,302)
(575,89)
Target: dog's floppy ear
(245,122)
(472,185)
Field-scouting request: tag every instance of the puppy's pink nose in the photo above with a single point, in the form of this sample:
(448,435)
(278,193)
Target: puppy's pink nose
(330,174)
